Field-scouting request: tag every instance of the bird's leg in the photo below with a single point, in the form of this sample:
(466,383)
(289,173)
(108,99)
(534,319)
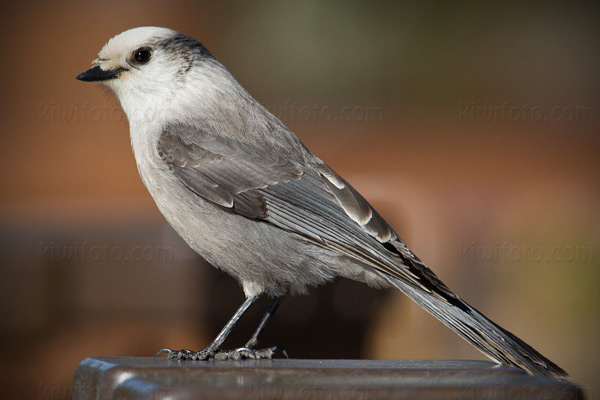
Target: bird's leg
(213,348)
(253,342)
(249,350)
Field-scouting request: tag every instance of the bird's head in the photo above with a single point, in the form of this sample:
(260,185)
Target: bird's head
(147,65)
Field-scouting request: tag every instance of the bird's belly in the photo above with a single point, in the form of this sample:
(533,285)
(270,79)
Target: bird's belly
(261,256)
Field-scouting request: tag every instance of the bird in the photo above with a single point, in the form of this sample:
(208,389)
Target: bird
(247,195)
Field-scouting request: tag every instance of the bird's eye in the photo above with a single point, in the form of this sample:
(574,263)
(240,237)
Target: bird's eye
(142,55)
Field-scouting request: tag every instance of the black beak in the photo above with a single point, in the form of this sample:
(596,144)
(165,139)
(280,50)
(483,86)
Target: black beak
(97,74)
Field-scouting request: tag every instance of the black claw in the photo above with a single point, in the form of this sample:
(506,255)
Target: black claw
(242,350)
(282,351)
(162,351)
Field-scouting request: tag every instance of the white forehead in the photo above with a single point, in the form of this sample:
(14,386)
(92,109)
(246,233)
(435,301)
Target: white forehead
(131,40)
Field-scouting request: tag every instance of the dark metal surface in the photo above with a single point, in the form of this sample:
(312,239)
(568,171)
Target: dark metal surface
(150,378)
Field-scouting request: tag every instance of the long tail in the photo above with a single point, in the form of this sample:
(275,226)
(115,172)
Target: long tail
(489,338)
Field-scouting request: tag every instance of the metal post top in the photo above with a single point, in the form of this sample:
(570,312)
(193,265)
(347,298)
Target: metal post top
(146,378)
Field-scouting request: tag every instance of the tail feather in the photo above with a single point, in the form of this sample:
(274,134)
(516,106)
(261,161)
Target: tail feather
(492,340)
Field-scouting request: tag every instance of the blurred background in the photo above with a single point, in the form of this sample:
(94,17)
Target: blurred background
(471,127)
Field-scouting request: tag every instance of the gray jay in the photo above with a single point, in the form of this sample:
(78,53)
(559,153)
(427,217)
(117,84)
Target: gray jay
(244,192)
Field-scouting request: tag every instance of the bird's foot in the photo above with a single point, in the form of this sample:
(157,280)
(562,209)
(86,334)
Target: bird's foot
(237,354)
(186,354)
(248,352)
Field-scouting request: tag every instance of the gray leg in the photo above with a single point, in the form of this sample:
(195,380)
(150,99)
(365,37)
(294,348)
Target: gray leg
(253,342)
(249,350)
(214,346)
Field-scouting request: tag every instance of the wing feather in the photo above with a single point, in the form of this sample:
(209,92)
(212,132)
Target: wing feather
(308,199)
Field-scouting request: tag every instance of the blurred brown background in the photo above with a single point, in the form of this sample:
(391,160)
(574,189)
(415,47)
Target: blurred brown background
(473,128)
